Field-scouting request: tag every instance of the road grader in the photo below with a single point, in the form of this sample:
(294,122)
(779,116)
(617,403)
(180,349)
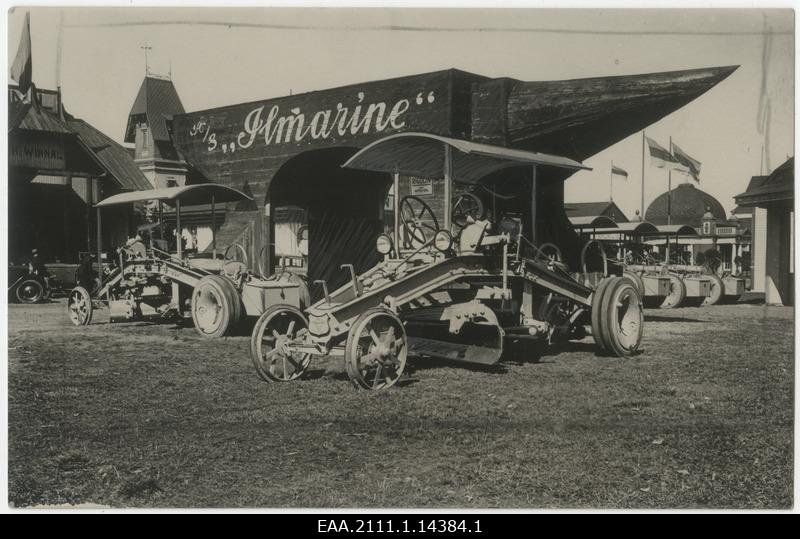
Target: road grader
(452,285)
(152,282)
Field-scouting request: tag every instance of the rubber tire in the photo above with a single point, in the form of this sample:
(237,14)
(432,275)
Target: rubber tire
(39,295)
(637,280)
(255,337)
(232,308)
(608,323)
(717,291)
(597,332)
(86,293)
(238,305)
(675,282)
(349,346)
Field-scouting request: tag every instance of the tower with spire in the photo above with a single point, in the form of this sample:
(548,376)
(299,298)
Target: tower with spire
(150,129)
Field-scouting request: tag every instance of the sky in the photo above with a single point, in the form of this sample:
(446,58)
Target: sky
(223,56)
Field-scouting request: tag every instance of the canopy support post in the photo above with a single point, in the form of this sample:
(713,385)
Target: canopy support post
(396,212)
(178,235)
(99,234)
(533,205)
(448,185)
(161,220)
(213,228)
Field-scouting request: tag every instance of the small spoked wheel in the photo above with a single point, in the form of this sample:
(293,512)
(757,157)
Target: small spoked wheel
(677,292)
(376,350)
(717,291)
(216,306)
(617,316)
(270,348)
(79,306)
(30,291)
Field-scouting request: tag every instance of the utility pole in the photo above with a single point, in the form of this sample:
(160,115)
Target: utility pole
(641,211)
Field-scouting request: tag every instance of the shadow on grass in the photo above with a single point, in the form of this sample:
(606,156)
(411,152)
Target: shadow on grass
(657,318)
(425,363)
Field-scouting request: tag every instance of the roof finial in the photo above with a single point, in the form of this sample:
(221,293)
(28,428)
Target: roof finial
(145,48)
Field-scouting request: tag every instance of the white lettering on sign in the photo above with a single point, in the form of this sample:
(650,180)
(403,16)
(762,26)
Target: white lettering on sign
(39,154)
(273,126)
(421,186)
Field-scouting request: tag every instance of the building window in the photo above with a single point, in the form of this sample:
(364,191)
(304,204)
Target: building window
(706,228)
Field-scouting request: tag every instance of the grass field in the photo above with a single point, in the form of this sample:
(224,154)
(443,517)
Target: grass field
(139,415)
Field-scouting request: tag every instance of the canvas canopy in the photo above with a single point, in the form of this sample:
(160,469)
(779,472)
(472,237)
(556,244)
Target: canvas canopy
(593,221)
(423,154)
(188,195)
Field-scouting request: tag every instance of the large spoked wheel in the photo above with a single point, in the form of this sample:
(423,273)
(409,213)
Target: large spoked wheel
(376,350)
(30,291)
(717,291)
(216,306)
(415,220)
(79,306)
(677,293)
(466,206)
(622,317)
(272,357)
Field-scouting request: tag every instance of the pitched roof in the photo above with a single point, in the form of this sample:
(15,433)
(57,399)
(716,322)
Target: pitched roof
(777,187)
(32,117)
(114,157)
(158,102)
(595,209)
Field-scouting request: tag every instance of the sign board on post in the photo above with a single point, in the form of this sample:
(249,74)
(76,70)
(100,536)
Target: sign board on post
(421,186)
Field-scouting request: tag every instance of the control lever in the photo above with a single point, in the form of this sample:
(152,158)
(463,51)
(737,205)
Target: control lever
(324,289)
(353,279)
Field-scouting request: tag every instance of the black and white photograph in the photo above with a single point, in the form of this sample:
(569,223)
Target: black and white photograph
(399,258)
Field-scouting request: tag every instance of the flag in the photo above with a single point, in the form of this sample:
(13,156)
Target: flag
(692,165)
(21,69)
(659,156)
(618,171)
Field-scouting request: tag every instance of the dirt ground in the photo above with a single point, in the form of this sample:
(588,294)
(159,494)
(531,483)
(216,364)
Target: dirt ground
(153,415)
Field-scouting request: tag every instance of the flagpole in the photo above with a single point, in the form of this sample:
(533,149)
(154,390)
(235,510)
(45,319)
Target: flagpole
(641,214)
(611,183)
(669,189)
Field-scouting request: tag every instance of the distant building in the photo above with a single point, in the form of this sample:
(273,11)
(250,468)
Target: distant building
(594,214)
(773,197)
(150,129)
(688,205)
(59,166)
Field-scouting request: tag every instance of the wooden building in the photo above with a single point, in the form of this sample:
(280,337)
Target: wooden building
(288,151)
(775,196)
(59,166)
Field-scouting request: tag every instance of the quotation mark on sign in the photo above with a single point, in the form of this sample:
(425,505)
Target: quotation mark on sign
(430,98)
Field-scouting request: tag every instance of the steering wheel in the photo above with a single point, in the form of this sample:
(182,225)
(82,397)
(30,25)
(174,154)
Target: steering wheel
(466,205)
(540,254)
(602,252)
(415,215)
(230,261)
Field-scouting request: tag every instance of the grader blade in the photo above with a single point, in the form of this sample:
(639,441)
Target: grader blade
(420,346)
(480,343)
